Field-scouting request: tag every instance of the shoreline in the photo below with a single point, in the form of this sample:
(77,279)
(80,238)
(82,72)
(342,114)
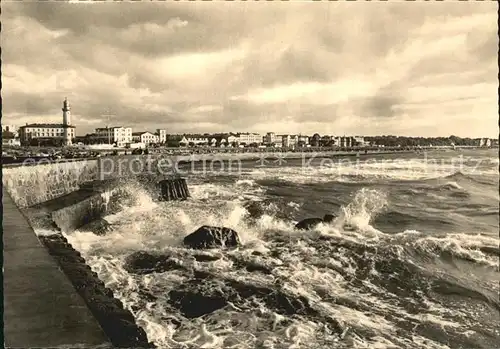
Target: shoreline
(224,156)
(276,157)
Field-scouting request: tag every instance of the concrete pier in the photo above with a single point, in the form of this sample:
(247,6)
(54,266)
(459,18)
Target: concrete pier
(41,307)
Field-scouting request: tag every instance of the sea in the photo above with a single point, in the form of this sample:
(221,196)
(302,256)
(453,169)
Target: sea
(411,261)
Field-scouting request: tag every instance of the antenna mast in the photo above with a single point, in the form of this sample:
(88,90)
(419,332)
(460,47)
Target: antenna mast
(107,127)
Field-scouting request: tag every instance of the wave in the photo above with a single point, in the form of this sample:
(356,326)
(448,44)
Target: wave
(460,176)
(369,171)
(346,283)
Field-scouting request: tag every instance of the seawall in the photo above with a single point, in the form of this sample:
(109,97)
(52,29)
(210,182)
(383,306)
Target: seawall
(30,184)
(41,307)
(52,298)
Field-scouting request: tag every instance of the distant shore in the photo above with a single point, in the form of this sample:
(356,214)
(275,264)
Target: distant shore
(33,156)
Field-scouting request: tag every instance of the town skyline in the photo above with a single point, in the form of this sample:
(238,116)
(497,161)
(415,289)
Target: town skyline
(413,69)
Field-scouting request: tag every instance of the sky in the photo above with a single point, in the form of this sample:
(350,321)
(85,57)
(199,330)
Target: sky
(356,68)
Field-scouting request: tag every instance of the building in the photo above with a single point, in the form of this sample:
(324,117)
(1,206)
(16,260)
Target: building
(55,134)
(233,140)
(12,129)
(485,142)
(289,141)
(118,135)
(49,134)
(145,137)
(272,139)
(162,135)
(9,137)
(192,140)
(10,141)
(359,141)
(68,136)
(302,141)
(249,138)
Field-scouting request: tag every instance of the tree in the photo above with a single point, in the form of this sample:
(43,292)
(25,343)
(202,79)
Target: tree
(315,140)
(8,135)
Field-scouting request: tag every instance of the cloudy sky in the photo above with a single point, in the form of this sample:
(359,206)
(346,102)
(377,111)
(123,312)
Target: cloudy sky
(422,69)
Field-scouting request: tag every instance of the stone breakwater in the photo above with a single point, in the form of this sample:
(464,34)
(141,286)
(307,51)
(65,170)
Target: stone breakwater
(30,185)
(117,322)
(175,189)
(84,206)
(73,210)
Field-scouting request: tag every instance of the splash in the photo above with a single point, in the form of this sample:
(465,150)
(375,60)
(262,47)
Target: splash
(341,288)
(364,207)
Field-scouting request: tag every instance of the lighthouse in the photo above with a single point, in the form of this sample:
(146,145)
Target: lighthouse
(66,109)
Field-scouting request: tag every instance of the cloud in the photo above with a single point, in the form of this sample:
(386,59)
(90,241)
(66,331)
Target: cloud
(419,68)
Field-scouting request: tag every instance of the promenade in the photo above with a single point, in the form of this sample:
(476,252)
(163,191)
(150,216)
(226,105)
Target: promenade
(41,307)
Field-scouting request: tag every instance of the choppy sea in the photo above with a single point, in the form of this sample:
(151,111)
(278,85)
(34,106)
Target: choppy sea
(412,261)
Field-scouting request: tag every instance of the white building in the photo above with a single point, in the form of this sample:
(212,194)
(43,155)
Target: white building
(249,138)
(289,141)
(194,140)
(485,142)
(303,140)
(56,133)
(116,134)
(360,141)
(162,135)
(145,137)
(212,142)
(272,139)
(233,139)
(43,132)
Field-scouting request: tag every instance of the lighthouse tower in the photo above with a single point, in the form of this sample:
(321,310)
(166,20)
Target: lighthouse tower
(66,109)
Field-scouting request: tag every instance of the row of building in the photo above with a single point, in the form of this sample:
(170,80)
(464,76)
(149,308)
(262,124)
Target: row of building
(270,139)
(122,136)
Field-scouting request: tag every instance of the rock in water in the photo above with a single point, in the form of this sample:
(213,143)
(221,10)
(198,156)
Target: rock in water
(328,218)
(310,223)
(142,262)
(212,237)
(98,227)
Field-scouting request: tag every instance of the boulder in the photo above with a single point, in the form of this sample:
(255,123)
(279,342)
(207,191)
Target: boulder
(328,218)
(212,237)
(310,223)
(146,263)
(194,298)
(98,227)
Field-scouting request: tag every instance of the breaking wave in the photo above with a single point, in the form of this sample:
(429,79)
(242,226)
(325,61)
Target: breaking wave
(411,261)
(349,284)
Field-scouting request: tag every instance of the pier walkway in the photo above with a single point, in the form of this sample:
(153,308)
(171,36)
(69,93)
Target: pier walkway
(41,307)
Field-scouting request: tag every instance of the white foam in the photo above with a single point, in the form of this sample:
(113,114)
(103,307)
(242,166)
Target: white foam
(299,268)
